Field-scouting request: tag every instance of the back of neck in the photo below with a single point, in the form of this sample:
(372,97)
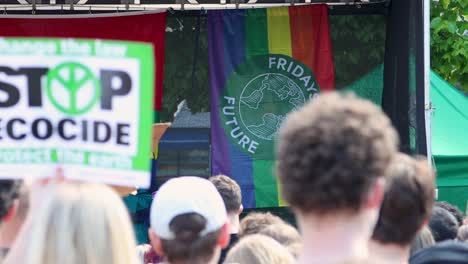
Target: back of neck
(8,232)
(334,238)
(233,223)
(389,253)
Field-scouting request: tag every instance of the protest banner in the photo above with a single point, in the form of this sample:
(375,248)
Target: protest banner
(83,104)
(264,63)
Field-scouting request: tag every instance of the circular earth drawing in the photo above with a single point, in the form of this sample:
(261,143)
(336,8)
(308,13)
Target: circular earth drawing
(265,101)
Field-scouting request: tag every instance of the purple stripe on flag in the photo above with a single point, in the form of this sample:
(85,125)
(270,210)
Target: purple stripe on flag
(220,159)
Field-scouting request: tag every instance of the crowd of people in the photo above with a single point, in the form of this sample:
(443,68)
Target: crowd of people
(355,197)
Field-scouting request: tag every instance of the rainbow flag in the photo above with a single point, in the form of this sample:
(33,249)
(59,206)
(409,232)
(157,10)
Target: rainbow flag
(264,63)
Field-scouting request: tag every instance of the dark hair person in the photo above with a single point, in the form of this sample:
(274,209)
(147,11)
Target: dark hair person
(407,205)
(231,193)
(9,192)
(12,224)
(453,210)
(443,225)
(332,157)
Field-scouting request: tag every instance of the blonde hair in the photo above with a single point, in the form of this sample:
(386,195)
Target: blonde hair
(259,249)
(254,222)
(283,233)
(81,223)
(286,235)
(422,240)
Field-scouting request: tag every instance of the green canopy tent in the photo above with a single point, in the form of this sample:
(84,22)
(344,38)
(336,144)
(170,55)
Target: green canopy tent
(449,125)
(449,141)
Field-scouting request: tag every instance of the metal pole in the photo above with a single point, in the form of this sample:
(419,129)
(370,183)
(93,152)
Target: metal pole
(427,81)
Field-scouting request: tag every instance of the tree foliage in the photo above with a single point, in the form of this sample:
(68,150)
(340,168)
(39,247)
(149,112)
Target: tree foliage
(449,40)
(186,64)
(358,46)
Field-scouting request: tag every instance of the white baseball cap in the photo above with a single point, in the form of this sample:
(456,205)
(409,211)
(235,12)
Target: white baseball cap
(184,195)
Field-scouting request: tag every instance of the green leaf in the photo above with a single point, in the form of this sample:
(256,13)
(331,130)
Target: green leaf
(445,3)
(452,27)
(435,23)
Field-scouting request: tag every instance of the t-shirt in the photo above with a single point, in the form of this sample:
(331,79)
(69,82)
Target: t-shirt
(447,252)
(232,242)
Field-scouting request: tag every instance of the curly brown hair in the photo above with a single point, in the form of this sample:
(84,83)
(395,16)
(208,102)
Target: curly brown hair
(407,203)
(331,151)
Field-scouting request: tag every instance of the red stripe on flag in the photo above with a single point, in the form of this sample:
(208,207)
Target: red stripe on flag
(311,44)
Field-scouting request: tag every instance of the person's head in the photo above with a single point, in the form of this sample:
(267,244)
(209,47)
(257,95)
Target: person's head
(11,226)
(443,224)
(188,221)
(286,235)
(408,200)
(283,233)
(422,240)
(453,210)
(259,249)
(462,234)
(332,156)
(230,192)
(80,223)
(254,222)
(9,190)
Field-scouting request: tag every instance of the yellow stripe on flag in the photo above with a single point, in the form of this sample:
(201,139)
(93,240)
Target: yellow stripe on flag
(279,42)
(279,32)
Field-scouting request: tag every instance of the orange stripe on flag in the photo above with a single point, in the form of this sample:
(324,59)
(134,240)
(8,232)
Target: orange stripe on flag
(310,38)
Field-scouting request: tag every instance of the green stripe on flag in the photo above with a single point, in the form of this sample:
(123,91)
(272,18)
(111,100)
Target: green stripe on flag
(256,32)
(266,187)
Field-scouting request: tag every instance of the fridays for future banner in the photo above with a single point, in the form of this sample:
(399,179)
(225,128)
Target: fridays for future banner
(83,104)
(264,63)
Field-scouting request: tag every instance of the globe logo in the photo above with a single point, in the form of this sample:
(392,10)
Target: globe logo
(265,102)
(257,97)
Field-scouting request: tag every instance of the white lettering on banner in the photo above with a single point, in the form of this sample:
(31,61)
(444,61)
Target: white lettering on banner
(25,155)
(27,47)
(291,67)
(70,47)
(112,50)
(236,133)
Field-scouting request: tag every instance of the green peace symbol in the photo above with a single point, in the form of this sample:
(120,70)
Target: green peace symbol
(73,85)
